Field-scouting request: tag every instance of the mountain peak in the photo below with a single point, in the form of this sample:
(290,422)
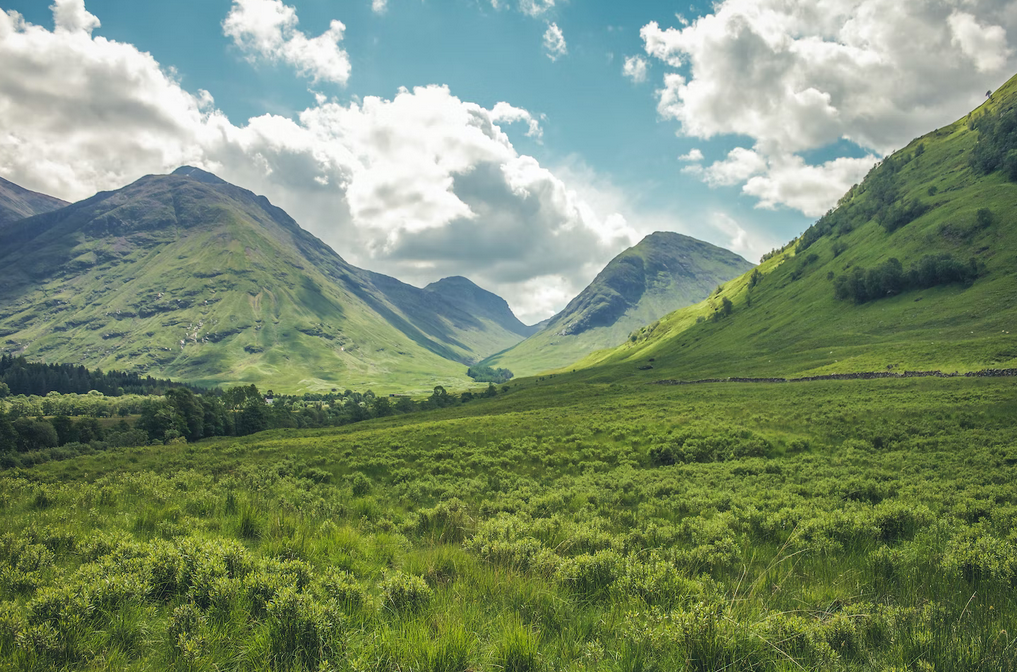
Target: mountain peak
(479,302)
(199,175)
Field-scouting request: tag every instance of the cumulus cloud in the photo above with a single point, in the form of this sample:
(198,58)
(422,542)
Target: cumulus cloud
(694,156)
(794,75)
(635,68)
(71,16)
(268,29)
(420,185)
(811,189)
(739,166)
(985,45)
(554,42)
(379,6)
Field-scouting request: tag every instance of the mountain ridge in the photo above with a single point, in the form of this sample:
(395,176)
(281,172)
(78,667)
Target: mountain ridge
(17,203)
(663,271)
(102,281)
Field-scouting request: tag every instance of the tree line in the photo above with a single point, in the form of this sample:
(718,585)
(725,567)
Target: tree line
(19,376)
(182,416)
(890,278)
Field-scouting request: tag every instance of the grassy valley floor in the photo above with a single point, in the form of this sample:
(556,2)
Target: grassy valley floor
(842,525)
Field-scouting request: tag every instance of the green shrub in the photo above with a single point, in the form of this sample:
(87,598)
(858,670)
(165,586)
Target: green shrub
(341,586)
(302,632)
(405,592)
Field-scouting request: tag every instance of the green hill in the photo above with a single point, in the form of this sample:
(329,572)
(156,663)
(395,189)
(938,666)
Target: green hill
(18,203)
(663,272)
(944,208)
(189,277)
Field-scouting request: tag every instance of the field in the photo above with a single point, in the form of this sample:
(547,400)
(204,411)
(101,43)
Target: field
(845,525)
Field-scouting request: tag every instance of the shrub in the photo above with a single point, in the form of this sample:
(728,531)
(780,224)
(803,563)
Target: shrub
(341,586)
(185,632)
(301,631)
(405,592)
(447,522)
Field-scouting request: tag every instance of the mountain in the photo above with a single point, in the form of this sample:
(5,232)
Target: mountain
(663,272)
(914,270)
(18,203)
(189,277)
(480,303)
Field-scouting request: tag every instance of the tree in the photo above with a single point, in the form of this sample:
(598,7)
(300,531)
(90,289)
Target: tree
(34,434)
(4,390)
(726,306)
(65,429)
(439,397)
(8,437)
(382,407)
(188,408)
(253,417)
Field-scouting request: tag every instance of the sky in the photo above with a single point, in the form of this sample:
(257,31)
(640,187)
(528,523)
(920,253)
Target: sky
(520,143)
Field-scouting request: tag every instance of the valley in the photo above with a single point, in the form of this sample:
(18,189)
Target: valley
(700,464)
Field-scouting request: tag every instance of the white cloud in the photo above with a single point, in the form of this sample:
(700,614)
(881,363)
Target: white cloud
(70,15)
(985,45)
(379,6)
(796,75)
(505,113)
(534,8)
(693,156)
(554,42)
(811,189)
(268,29)
(635,68)
(420,186)
(739,166)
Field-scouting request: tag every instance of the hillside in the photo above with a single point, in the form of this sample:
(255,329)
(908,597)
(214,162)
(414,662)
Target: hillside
(18,203)
(189,277)
(663,272)
(835,300)
(480,303)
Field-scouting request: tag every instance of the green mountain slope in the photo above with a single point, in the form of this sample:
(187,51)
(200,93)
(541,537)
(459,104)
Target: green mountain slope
(18,203)
(189,277)
(480,303)
(941,195)
(663,272)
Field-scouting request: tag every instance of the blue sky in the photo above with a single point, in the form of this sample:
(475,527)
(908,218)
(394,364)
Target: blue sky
(786,106)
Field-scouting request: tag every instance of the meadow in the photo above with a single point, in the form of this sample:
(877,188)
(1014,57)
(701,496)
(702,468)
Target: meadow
(843,525)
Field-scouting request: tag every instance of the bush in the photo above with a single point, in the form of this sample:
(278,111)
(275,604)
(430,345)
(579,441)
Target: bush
(404,592)
(342,588)
(301,631)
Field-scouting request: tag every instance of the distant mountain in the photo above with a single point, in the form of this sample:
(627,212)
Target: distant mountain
(914,270)
(189,277)
(663,272)
(480,303)
(18,203)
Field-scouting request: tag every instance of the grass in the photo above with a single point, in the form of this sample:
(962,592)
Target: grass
(843,525)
